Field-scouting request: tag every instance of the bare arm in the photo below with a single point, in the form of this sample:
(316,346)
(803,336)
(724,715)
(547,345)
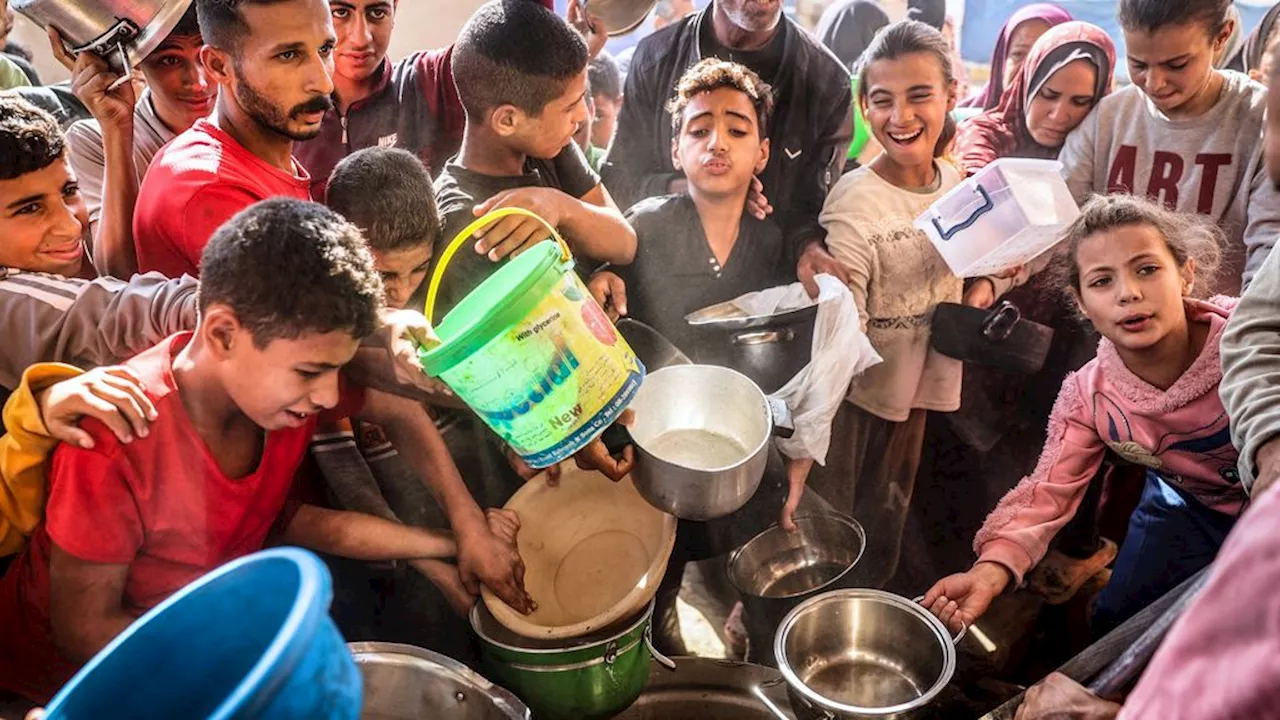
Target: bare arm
(593,225)
(85,608)
(113,249)
(365,537)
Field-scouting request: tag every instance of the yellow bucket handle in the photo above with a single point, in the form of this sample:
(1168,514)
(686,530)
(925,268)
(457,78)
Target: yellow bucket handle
(433,288)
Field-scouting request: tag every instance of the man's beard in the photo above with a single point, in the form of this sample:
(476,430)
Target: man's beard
(269,115)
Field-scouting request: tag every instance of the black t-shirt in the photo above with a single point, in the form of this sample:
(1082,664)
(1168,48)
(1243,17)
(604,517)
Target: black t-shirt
(458,190)
(675,272)
(765,62)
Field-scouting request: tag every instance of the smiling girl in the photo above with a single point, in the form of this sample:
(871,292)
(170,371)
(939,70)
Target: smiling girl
(1183,134)
(906,90)
(1150,397)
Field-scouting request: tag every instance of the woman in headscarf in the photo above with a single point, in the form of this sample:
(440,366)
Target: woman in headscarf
(981,451)
(1017,37)
(1067,72)
(1254,53)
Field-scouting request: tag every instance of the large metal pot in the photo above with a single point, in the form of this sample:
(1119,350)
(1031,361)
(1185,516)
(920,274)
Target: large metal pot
(702,438)
(404,682)
(769,349)
(706,689)
(855,654)
(596,676)
(106,26)
(777,570)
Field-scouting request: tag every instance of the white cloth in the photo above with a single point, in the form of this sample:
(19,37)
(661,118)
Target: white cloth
(841,351)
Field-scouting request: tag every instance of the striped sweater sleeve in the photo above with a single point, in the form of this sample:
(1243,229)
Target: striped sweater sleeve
(49,318)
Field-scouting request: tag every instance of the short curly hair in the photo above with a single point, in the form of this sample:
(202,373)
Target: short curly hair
(30,138)
(287,267)
(1188,237)
(713,74)
(386,192)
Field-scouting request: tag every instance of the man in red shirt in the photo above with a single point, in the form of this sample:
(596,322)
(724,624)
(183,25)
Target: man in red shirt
(288,292)
(272,62)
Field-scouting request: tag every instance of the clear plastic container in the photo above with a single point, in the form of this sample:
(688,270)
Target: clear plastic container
(1006,215)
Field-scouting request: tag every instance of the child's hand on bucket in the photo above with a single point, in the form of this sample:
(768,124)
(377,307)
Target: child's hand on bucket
(527,473)
(610,292)
(514,234)
(486,559)
(596,455)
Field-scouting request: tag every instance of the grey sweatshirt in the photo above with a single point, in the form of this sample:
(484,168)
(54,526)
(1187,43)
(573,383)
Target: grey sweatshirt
(1210,164)
(47,318)
(1251,368)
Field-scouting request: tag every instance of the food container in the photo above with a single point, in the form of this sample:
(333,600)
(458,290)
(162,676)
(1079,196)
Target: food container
(404,682)
(769,349)
(589,678)
(594,554)
(707,689)
(855,654)
(777,570)
(1006,215)
(108,27)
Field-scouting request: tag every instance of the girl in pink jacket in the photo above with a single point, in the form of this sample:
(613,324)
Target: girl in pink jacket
(1150,397)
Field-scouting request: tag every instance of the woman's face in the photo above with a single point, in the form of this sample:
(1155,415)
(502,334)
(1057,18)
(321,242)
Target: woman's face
(1062,103)
(1174,66)
(1024,36)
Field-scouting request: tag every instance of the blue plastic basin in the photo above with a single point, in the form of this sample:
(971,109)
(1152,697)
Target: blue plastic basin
(252,639)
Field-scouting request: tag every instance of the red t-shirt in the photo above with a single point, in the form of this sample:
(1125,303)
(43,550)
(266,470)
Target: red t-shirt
(159,504)
(195,183)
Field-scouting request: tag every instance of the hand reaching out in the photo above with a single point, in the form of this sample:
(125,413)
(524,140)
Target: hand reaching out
(962,598)
(92,81)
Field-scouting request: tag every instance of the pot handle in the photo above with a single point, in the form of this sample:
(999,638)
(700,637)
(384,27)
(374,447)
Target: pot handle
(964,629)
(783,426)
(773,708)
(663,660)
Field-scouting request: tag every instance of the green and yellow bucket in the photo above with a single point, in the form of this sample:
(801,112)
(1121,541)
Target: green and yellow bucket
(531,352)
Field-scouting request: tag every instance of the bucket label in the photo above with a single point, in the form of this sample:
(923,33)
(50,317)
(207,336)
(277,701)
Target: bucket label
(553,381)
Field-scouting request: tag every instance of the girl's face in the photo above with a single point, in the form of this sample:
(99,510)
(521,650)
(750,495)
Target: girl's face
(1020,44)
(1131,287)
(1062,103)
(906,105)
(1174,65)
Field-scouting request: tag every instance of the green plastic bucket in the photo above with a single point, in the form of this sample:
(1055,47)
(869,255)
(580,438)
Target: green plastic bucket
(532,353)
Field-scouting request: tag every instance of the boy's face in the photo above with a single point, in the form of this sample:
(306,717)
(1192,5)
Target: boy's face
(403,272)
(283,384)
(719,147)
(364,30)
(281,74)
(606,120)
(179,89)
(42,221)
(545,135)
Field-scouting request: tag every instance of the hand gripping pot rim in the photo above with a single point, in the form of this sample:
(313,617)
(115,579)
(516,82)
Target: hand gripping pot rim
(532,353)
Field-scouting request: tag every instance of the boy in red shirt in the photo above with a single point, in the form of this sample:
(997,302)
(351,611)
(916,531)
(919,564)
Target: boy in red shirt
(272,62)
(288,292)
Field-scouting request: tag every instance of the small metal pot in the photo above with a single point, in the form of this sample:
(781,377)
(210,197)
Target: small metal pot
(108,27)
(404,682)
(777,570)
(702,438)
(585,678)
(856,654)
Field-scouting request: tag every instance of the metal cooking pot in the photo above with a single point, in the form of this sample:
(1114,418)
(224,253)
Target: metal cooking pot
(706,689)
(620,16)
(777,570)
(404,682)
(108,27)
(855,654)
(702,438)
(596,676)
(769,349)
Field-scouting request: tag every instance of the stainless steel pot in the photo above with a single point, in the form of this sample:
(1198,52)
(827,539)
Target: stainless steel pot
(108,27)
(854,654)
(404,682)
(777,570)
(706,689)
(769,349)
(702,438)
(620,16)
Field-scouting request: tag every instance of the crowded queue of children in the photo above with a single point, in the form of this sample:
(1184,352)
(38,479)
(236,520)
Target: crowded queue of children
(284,189)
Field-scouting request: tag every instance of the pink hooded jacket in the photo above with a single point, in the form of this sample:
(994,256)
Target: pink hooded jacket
(1182,433)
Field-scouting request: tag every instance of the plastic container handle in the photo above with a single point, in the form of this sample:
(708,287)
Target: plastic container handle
(987,206)
(433,288)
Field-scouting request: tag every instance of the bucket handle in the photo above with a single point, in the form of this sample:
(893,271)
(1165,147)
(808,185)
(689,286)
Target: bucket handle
(955,639)
(663,660)
(433,289)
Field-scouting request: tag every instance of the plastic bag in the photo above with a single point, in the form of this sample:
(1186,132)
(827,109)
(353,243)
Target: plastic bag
(841,352)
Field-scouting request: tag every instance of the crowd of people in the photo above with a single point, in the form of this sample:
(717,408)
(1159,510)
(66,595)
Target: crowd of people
(208,279)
